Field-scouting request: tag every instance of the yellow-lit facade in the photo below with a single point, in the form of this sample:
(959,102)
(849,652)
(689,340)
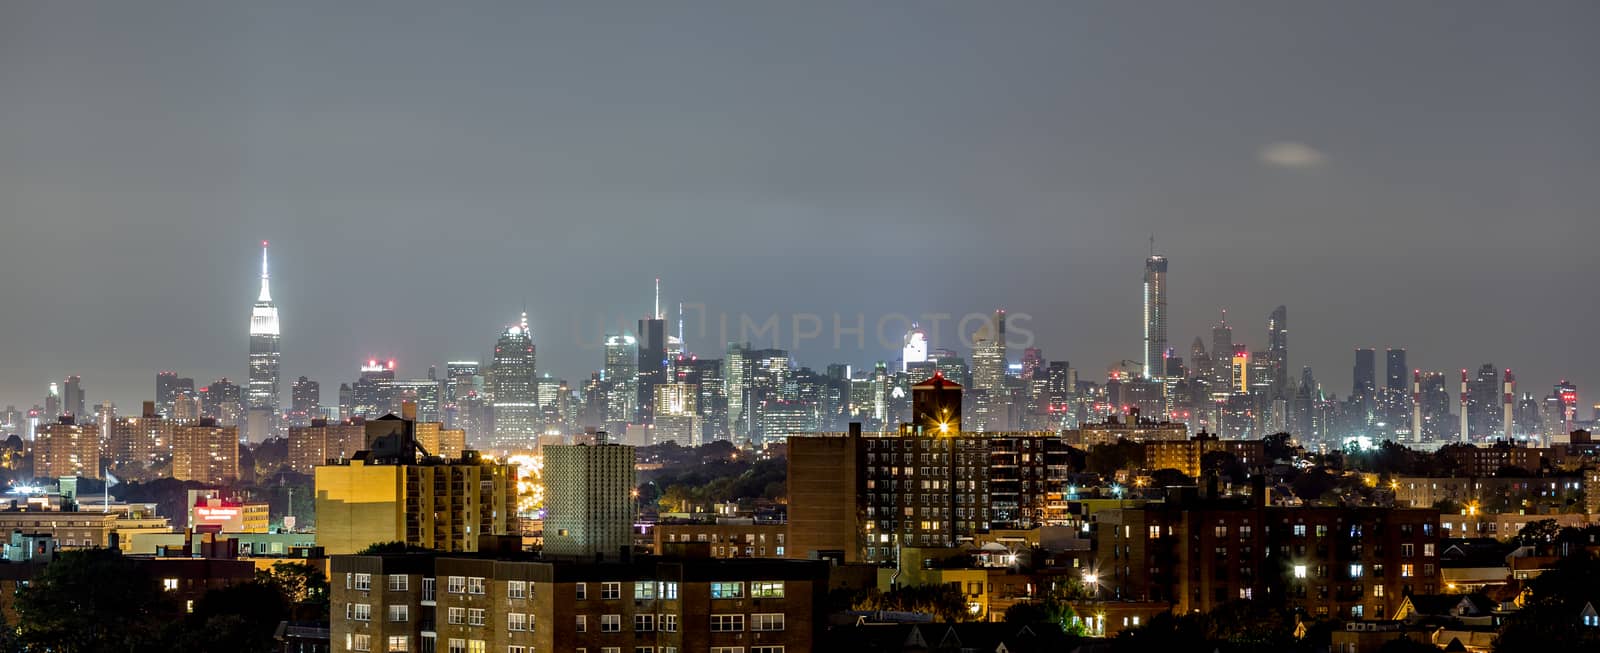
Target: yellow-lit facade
(437,506)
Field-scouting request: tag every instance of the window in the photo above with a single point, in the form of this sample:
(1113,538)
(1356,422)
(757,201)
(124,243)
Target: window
(583,624)
(766,589)
(477,646)
(611,649)
(475,585)
(644,591)
(169,584)
(727,623)
(456,585)
(727,590)
(1406,550)
(399,613)
(1299,571)
(1299,530)
(766,649)
(399,642)
(609,591)
(766,622)
(669,591)
(457,616)
(669,623)
(359,642)
(644,623)
(358,611)
(428,585)
(1355,571)
(516,589)
(1377,591)
(611,623)
(516,649)
(516,621)
(399,582)
(1427,550)
(1406,570)
(583,590)
(644,649)
(363,582)
(727,649)
(474,616)
(458,646)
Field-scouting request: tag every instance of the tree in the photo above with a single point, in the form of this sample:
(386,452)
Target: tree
(1108,459)
(241,618)
(91,600)
(1170,478)
(1279,446)
(297,582)
(381,548)
(1548,620)
(944,602)
(1534,533)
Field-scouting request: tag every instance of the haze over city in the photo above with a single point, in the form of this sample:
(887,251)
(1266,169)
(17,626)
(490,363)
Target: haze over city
(424,177)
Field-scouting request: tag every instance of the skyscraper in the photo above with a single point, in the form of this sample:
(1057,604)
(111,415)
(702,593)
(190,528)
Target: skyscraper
(72,400)
(1364,376)
(1395,373)
(652,359)
(1222,356)
(621,378)
(1278,351)
(513,382)
(1155,316)
(305,401)
(261,398)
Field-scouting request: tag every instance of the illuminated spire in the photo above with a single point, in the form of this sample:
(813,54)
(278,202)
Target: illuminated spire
(266,295)
(658,314)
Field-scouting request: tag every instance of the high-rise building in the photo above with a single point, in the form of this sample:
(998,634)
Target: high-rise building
(1155,316)
(262,397)
(1278,351)
(620,377)
(1484,409)
(735,375)
(1364,375)
(513,384)
(72,398)
(1396,374)
(389,494)
(1222,357)
(677,415)
(915,349)
(652,369)
(589,500)
(305,401)
(134,442)
(66,448)
(322,441)
(372,395)
(168,387)
(52,401)
(988,396)
(424,393)
(205,451)
(222,401)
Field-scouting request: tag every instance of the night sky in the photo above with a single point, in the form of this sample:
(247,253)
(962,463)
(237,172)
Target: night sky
(1420,175)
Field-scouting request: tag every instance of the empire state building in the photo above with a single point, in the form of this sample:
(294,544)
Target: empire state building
(261,397)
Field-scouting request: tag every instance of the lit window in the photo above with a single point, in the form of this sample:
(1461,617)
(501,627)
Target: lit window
(727,590)
(669,591)
(1299,571)
(169,584)
(1355,571)
(766,589)
(644,591)
(1406,570)
(399,643)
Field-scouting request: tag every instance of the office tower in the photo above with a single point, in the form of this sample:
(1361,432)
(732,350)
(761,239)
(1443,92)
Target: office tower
(712,404)
(989,404)
(205,451)
(52,401)
(188,407)
(735,374)
(221,401)
(1155,316)
(461,376)
(1483,402)
(1395,371)
(388,494)
(373,394)
(1364,383)
(305,398)
(262,397)
(1239,372)
(552,403)
(1200,361)
(513,385)
(66,448)
(72,399)
(1436,422)
(166,390)
(915,349)
(1222,357)
(1278,350)
(677,414)
(425,394)
(322,441)
(1566,395)
(589,499)
(621,376)
(652,368)
(464,390)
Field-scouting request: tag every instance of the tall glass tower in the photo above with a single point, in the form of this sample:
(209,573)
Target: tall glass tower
(1155,316)
(261,395)
(515,387)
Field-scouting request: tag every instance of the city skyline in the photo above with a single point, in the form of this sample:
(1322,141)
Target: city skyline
(1025,172)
